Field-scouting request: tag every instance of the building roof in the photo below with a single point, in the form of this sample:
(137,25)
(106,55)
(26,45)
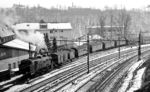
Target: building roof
(49,25)
(16,43)
(59,26)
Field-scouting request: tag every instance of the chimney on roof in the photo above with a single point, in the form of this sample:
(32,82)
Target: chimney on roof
(42,21)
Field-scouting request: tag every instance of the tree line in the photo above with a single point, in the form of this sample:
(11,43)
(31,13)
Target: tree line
(132,20)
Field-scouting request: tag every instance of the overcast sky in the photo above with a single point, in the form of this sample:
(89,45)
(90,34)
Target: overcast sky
(128,4)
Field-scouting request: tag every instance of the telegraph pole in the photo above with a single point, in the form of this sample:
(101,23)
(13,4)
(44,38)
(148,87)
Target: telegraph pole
(139,49)
(88,53)
(119,45)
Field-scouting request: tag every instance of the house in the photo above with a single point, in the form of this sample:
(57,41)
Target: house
(12,52)
(6,34)
(61,31)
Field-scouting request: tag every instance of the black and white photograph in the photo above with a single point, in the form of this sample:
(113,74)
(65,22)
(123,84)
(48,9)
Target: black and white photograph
(74,45)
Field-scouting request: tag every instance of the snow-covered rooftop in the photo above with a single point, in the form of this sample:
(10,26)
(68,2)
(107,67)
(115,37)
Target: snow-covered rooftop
(49,25)
(16,43)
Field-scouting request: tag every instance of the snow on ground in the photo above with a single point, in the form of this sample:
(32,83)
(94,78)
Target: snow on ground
(16,88)
(12,79)
(129,77)
(72,87)
(137,82)
(145,45)
(57,71)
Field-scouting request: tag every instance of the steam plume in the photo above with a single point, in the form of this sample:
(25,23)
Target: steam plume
(29,35)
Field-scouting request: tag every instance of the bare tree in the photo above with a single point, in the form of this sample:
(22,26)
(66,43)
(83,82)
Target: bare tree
(127,23)
(124,21)
(102,25)
(111,22)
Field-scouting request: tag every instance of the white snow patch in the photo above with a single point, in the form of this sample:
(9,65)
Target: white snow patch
(81,81)
(80,43)
(16,88)
(12,79)
(137,82)
(129,77)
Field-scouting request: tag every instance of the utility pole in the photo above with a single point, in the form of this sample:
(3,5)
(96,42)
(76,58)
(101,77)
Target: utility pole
(88,53)
(139,49)
(119,45)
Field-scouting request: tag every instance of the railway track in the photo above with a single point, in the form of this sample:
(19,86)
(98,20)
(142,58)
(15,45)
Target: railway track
(100,69)
(74,74)
(7,85)
(10,83)
(57,79)
(107,84)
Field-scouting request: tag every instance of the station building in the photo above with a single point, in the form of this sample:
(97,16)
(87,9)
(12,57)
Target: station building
(12,50)
(61,31)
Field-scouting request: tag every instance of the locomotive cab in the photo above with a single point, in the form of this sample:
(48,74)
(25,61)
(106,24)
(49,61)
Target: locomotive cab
(24,66)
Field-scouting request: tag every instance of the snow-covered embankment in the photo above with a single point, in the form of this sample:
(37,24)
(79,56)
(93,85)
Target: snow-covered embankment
(133,82)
